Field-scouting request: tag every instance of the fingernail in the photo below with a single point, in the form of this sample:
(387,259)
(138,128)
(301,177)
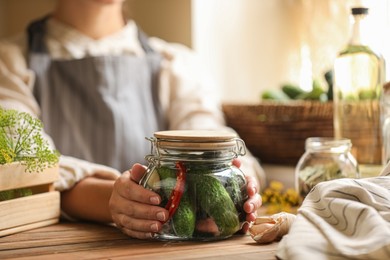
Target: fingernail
(161,216)
(254,190)
(154,227)
(252,207)
(155,200)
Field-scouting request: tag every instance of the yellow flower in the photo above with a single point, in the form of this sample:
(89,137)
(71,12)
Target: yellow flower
(276,200)
(268,192)
(292,196)
(276,185)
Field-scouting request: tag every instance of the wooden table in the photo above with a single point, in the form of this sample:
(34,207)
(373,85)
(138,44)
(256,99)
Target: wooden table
(92,241)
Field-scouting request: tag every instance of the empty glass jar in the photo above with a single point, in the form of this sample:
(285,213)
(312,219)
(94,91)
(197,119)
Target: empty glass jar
(200,187)
(324,159)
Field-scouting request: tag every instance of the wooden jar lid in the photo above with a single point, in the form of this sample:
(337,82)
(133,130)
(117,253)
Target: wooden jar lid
(196,139)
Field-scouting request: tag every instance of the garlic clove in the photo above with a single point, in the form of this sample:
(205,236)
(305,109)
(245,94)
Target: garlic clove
(267,229)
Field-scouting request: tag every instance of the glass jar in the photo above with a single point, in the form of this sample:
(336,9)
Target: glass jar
(203,191)
(324,159)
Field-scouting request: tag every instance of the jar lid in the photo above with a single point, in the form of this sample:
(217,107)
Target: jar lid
(196,139)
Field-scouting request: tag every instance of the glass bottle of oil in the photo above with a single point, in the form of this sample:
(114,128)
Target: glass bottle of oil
(358,82)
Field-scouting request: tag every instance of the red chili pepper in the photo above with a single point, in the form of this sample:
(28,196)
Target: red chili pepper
(178,190)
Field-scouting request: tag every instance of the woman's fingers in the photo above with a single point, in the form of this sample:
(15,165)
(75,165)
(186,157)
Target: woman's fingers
(134,209)
(252,204)
(252,186)
(129,224)
(138,210)
(237,162)
(254,201)
(137,234)
(137,172)
(129,189)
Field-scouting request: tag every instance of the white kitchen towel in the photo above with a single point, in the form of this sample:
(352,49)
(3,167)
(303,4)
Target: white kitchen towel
(341,219)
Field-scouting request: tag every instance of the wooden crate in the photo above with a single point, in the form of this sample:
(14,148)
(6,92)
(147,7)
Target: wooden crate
(42,208)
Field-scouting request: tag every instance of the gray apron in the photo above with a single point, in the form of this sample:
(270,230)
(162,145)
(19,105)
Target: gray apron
(99,109)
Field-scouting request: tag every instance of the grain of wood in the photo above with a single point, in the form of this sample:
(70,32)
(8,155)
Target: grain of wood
(92,241)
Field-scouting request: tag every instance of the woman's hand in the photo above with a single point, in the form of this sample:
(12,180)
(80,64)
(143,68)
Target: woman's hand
(254,199)
(135,209)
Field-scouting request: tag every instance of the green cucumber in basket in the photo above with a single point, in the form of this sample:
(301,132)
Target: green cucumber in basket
(274,94)
(292,91)
(317,93)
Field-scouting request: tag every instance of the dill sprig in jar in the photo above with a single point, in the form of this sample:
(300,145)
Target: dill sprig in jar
(200,187)
(324,159)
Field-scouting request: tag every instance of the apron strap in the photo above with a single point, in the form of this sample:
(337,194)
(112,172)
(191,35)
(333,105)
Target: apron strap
(35,35)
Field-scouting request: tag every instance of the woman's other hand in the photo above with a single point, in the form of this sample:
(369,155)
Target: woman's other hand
(135,209)
(253,202)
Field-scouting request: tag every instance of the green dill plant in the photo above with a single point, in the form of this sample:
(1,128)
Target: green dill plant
(21,140)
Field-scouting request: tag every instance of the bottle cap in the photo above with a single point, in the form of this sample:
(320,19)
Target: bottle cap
(359,10)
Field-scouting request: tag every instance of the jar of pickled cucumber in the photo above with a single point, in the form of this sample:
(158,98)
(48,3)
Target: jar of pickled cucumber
(324,159)
(202,190)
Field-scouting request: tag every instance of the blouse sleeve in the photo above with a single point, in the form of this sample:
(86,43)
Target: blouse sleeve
(16,80)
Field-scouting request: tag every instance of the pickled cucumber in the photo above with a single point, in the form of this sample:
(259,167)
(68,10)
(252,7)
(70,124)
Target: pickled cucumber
(236,187)
(216,202)
(184,218)
(212,198)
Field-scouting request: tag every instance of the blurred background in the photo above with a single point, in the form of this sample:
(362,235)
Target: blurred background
(246,46)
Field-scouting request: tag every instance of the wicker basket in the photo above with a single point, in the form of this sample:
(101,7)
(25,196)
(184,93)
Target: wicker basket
(276,132)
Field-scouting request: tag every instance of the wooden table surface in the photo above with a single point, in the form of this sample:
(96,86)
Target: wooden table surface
(93,241)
